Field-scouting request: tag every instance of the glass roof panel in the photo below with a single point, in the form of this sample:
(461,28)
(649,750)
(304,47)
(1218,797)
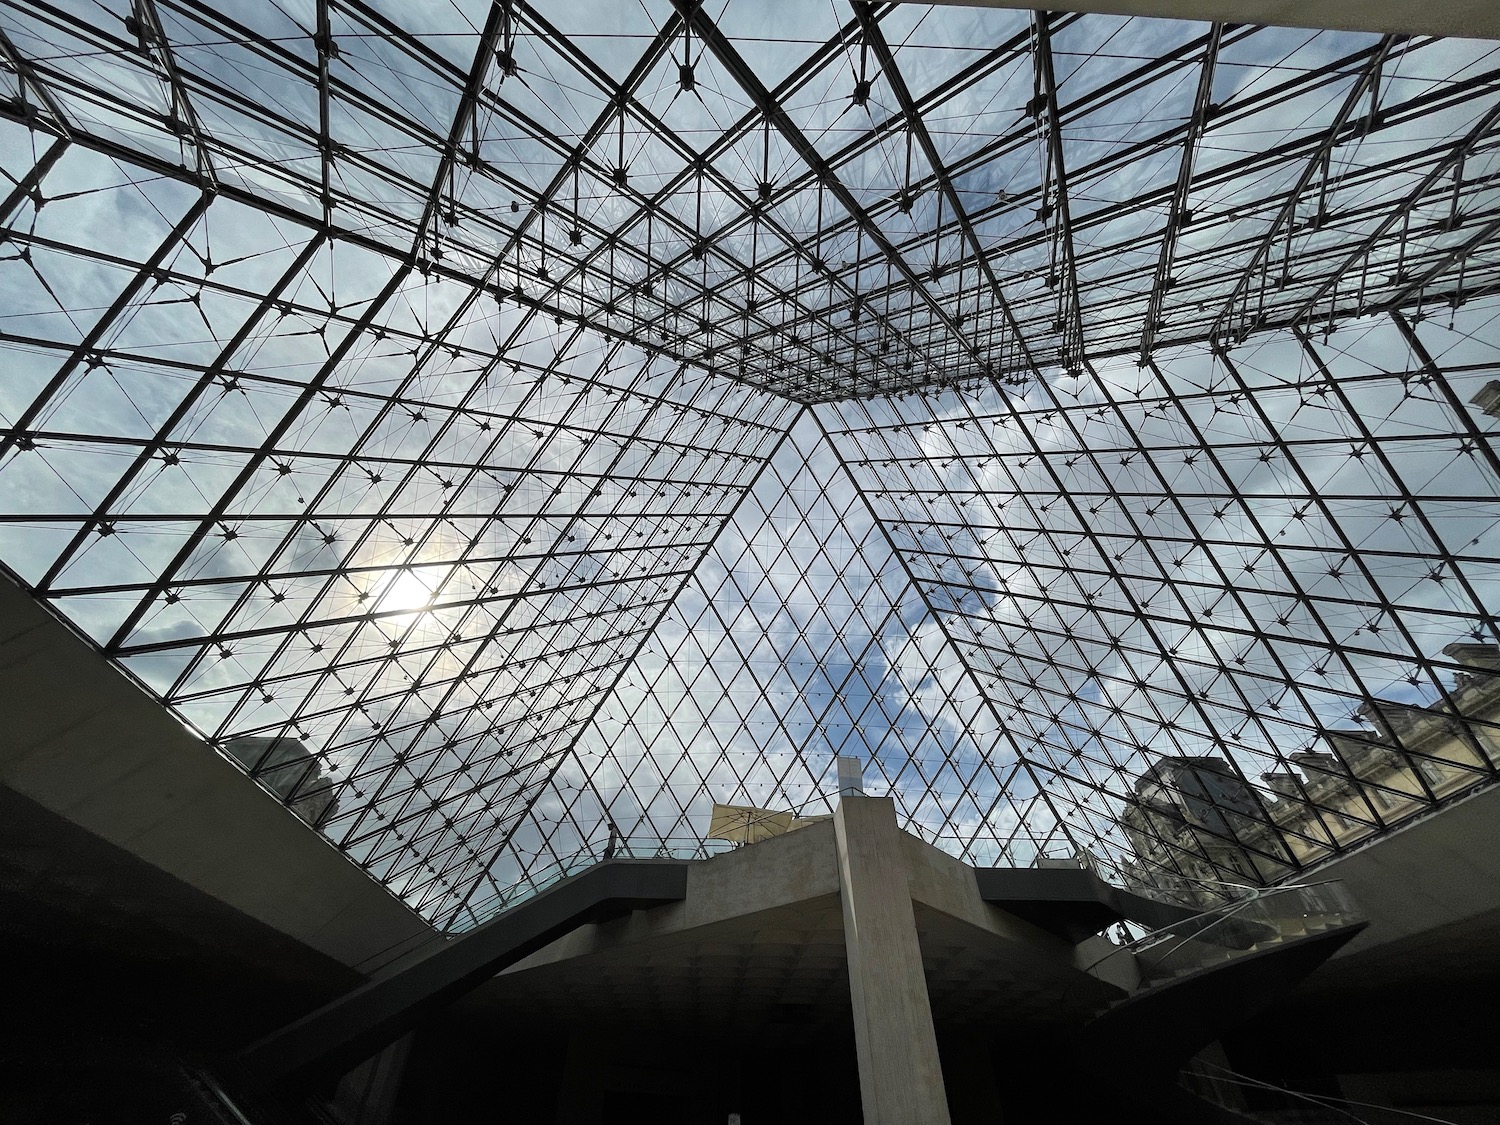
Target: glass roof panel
(532,414)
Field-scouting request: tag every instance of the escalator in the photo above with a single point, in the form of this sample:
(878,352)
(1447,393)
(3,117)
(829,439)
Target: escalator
(1200,978)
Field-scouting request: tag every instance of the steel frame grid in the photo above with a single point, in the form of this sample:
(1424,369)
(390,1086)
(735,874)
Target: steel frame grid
(1020,344)
(603,249)
(1064,742)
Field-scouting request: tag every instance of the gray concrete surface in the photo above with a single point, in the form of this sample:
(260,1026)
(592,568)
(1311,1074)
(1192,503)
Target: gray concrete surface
(1432,886)
(85,742)
(900,1073)
(756,959)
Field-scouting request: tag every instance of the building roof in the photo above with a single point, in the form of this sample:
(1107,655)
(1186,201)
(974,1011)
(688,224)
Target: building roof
(549,414)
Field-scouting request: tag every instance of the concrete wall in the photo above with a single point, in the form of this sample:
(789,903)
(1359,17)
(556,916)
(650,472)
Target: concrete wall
(900,1073)
(85,742)
(1439,871)
(760,958)
(779,872)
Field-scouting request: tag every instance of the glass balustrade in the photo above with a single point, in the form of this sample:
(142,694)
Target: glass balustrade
(1261,918)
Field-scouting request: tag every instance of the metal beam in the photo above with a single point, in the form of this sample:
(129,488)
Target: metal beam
(1453,161)
(1339,130)
(1475,19)
(84,351)
(26,78)
(183,120)
(731,60)
(1178,215)
(1070,298)
(915,122)
(326,371)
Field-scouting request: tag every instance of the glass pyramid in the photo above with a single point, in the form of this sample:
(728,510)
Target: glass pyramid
(485,422)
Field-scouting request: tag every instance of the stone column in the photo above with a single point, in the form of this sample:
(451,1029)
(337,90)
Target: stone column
(900,1077)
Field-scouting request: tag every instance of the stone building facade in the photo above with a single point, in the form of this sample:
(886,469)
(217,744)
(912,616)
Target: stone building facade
(1200,830)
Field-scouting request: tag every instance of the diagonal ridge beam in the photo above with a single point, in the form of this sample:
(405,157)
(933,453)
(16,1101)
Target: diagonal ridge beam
(1070,315)
(497,27)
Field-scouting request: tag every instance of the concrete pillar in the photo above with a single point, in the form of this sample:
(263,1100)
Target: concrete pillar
(900,1077)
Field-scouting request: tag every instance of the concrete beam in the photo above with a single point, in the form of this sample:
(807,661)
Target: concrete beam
(900,1075)
(1467,19)
(333,1039)
(1071,902)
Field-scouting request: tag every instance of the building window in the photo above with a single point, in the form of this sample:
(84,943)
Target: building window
(1432,773)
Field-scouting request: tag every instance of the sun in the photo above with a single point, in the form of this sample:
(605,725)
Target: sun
(406,593)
